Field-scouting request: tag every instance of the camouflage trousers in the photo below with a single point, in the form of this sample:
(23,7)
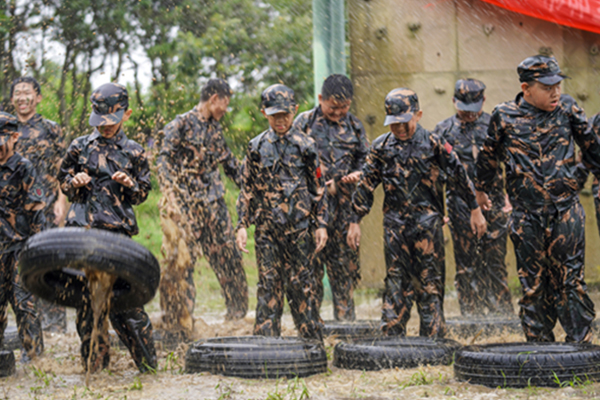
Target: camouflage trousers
(23,305)
(550,248)
(414,258)
(341,262)
(284,266)
(213,230)
(481,276)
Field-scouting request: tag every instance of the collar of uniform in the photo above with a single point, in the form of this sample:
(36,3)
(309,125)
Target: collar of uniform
(274,137)
(528,107)
(12,162)
(394,140)
(33,120)
(119,138)
(320,115)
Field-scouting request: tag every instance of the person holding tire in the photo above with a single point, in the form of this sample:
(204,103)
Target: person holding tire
(283,195)
(41,142)
(408,162)
(22,203)
(481,276)
(535,136)
(103,175)
(343,146)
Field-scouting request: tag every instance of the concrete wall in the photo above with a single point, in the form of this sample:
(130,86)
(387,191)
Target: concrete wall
(427,45)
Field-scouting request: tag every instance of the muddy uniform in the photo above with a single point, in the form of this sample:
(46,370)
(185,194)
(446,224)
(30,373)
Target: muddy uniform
(413,217)
(480,268)
(20,192)
(283,196)
(41,142)
(547,222)
(189,160)
(594,126)
(342,148)
(106,204)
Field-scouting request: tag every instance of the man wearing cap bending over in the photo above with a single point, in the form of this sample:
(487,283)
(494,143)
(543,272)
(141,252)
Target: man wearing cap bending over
(104,175)
(535,136)
(408,162)
(343,146)
(283,195)
(480,268)
(41,142)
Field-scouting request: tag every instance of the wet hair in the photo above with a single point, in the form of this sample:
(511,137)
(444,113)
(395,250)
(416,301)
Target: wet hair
(337,86)
(26,79)
(215,86)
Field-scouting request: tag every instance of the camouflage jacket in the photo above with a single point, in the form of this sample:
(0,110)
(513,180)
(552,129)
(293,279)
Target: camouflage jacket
(104,203)
(41,142)
(20,193)
(466,139)
(538,151)
(410,173)
(282,183)
(191,152)
(342,146)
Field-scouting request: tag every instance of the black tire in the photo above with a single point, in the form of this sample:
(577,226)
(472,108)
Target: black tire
(52,266)
(391,352)
(257,357)
(527,364)
(11,339)
(483,326)
(7,363)
(351,329)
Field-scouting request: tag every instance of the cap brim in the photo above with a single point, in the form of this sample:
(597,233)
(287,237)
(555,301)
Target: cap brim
(551,80)
(470,107)
(397,119)
(278,109)
(107,119)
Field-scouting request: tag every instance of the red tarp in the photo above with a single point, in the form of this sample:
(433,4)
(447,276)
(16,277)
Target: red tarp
(580,14)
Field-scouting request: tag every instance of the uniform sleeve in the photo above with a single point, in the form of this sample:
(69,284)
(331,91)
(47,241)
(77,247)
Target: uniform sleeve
(141,178)
(68,169)
(316,185)
(34,201)
(449,162)
(170,146)
(231,165)
(587,139)
(362,199)
(245,204)
(488,161)
(301,122)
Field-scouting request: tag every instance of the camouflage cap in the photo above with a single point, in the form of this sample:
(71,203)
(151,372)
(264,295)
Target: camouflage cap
(9,124)
(109,103)
(540,68)
(400,105)
(468,94)
(278,98)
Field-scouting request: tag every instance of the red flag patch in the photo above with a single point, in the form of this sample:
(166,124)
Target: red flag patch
(319,175)
(448,147)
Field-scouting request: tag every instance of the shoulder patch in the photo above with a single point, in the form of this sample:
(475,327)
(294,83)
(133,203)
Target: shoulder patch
(448,147)
(37,192)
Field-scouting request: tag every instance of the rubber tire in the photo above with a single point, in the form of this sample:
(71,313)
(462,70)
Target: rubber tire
(7,363)
(390,352)
(527,364)
(11,339)
(52,266)
(257,357)
(352,329)
(490,326)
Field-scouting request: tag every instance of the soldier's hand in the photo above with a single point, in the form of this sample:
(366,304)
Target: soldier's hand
(80,179)
(507,206)
(353,237)
(321,238)
(123,179)
(483,200)
(241,237)
(352,177)
(478,223)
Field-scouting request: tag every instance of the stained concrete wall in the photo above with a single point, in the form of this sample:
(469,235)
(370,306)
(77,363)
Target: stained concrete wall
(427,45)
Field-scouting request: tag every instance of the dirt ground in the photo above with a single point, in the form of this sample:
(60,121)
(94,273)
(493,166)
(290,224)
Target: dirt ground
(59,375)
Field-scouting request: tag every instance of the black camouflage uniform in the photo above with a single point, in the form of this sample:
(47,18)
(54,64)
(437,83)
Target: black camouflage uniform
(547,222)
(583,173)
(189,160)
(106,204)
(342,148)
(283,196)
(481,276)
(41,142)
(21,193)
(410,172)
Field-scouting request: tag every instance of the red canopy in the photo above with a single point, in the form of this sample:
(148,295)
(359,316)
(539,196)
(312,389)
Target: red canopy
(580,14)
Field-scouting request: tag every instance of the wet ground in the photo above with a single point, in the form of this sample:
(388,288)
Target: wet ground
(59,375)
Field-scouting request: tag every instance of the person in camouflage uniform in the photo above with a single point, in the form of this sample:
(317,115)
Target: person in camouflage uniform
(283,195)
(21,215)
(103,175)
(188,168)
(534,136)
(41,142)
(481,277)
(342,145)
(409,162)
